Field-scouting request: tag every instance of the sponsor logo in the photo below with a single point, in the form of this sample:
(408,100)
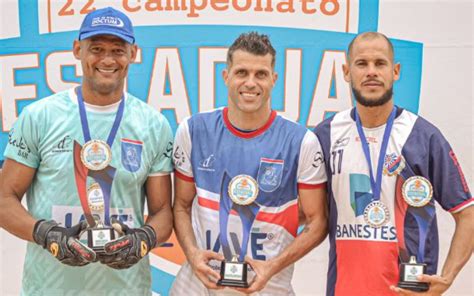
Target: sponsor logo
(107,21)
(257,240)
(340,143)
(318,159)
(207,164)
(364,231)
(178,156)
(169,150)
(54,249)
(64,145)
(23,149)
(369,140)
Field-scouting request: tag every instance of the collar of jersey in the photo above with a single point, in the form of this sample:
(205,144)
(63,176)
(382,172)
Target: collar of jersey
(96,108)
(252,134)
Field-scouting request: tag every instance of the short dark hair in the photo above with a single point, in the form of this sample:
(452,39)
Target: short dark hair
(254,43)
(370,36)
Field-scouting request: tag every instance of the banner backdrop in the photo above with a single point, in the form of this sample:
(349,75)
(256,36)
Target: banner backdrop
(183,46)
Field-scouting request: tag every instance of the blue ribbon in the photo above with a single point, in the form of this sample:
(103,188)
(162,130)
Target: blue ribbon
(85,124)
(104,177)
(376,184)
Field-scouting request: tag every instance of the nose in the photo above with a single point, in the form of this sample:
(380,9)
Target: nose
(371,70)
(250,82)
(108,58)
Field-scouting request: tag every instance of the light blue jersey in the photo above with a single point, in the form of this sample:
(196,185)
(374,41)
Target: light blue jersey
(43,138)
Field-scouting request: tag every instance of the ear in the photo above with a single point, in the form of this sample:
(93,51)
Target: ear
(396,71)
(225,75)
(134,50)
(275,77)
(76,49)
(345,70)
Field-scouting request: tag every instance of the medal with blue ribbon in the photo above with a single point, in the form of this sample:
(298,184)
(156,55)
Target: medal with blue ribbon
(376,213)
(93,160)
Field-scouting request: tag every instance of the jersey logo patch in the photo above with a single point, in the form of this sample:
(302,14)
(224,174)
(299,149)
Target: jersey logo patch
(270,173)
(393,164)
(131,154)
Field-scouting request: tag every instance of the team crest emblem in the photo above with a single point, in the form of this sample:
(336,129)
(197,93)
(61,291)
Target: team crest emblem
(243,190)
(131,154)
(393,164)
(417,191)
(376,214)
(270,173)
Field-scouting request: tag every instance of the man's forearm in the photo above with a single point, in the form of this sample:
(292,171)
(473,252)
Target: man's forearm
(162,223)
(461,245)
(312,235)
(184,230)
(21,224)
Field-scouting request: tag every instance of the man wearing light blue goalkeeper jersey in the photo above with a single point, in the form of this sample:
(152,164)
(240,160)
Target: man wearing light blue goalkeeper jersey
(64,145)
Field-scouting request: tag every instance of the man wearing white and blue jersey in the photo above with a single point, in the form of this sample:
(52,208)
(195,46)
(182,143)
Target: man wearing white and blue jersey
(386,168)
(57,151)
(240,173)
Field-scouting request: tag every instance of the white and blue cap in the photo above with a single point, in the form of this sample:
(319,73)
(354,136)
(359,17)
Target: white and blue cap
(107,21)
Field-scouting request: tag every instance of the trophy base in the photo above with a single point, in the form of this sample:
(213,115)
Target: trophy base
(98,237)
(414,286)
(233,274)
(233,283)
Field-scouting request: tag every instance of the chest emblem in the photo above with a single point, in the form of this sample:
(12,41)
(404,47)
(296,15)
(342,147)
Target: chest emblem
(270,174)
(393,164)
(131,154)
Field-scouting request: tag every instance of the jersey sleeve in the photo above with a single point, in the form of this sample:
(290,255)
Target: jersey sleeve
(311,169)
(162,164)
(449,184)
(182,153)
(23,140)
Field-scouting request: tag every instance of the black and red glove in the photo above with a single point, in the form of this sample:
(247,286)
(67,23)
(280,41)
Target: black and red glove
(131,247)
(63,242)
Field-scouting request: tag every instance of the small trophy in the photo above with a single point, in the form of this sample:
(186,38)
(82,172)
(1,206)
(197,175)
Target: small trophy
(409,273)
(98,233)
(233,273)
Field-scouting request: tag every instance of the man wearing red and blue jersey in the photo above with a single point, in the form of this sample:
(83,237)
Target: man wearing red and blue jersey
(372,153)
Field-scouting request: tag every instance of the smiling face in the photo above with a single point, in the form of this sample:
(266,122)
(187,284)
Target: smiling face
(105,60)
(371,71)
(250,79)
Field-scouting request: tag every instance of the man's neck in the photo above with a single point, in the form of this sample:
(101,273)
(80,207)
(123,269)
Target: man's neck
(371,117)
(99,99)
(248,121)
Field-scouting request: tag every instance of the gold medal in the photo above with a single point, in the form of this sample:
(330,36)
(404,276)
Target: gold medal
(376,214)
(243,190)
(96,155)
(417,191)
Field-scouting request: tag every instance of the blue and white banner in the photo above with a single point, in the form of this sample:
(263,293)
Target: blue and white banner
(182,52)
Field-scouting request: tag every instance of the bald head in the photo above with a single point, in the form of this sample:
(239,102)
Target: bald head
(369,36)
